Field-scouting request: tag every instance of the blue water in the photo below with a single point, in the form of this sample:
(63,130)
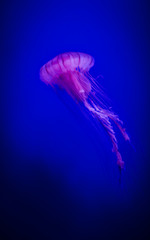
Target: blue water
(59,177)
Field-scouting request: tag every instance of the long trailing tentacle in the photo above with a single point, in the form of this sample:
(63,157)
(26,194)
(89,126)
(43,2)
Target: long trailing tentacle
(102,112)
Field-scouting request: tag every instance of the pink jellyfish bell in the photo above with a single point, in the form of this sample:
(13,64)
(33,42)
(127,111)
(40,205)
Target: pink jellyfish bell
(70,71)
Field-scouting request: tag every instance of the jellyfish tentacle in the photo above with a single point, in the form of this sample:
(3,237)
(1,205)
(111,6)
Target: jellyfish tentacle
(100,113)
(117,121)
(100,109)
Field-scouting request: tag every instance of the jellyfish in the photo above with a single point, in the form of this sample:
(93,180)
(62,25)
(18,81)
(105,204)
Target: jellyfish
(70,72)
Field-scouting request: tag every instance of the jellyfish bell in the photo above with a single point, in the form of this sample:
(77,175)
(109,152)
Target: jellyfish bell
(70,71)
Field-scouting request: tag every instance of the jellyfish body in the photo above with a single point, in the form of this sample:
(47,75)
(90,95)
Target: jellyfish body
(70,71)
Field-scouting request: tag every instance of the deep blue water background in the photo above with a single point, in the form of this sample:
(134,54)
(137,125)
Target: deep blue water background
(59,178)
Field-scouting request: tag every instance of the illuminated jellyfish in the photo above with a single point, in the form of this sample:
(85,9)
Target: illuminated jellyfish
(70,71)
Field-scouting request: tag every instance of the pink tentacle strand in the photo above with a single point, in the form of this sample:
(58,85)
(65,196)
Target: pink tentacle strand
(104,117)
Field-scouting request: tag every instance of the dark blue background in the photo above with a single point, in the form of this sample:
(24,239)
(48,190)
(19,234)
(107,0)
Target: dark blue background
(59,178)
